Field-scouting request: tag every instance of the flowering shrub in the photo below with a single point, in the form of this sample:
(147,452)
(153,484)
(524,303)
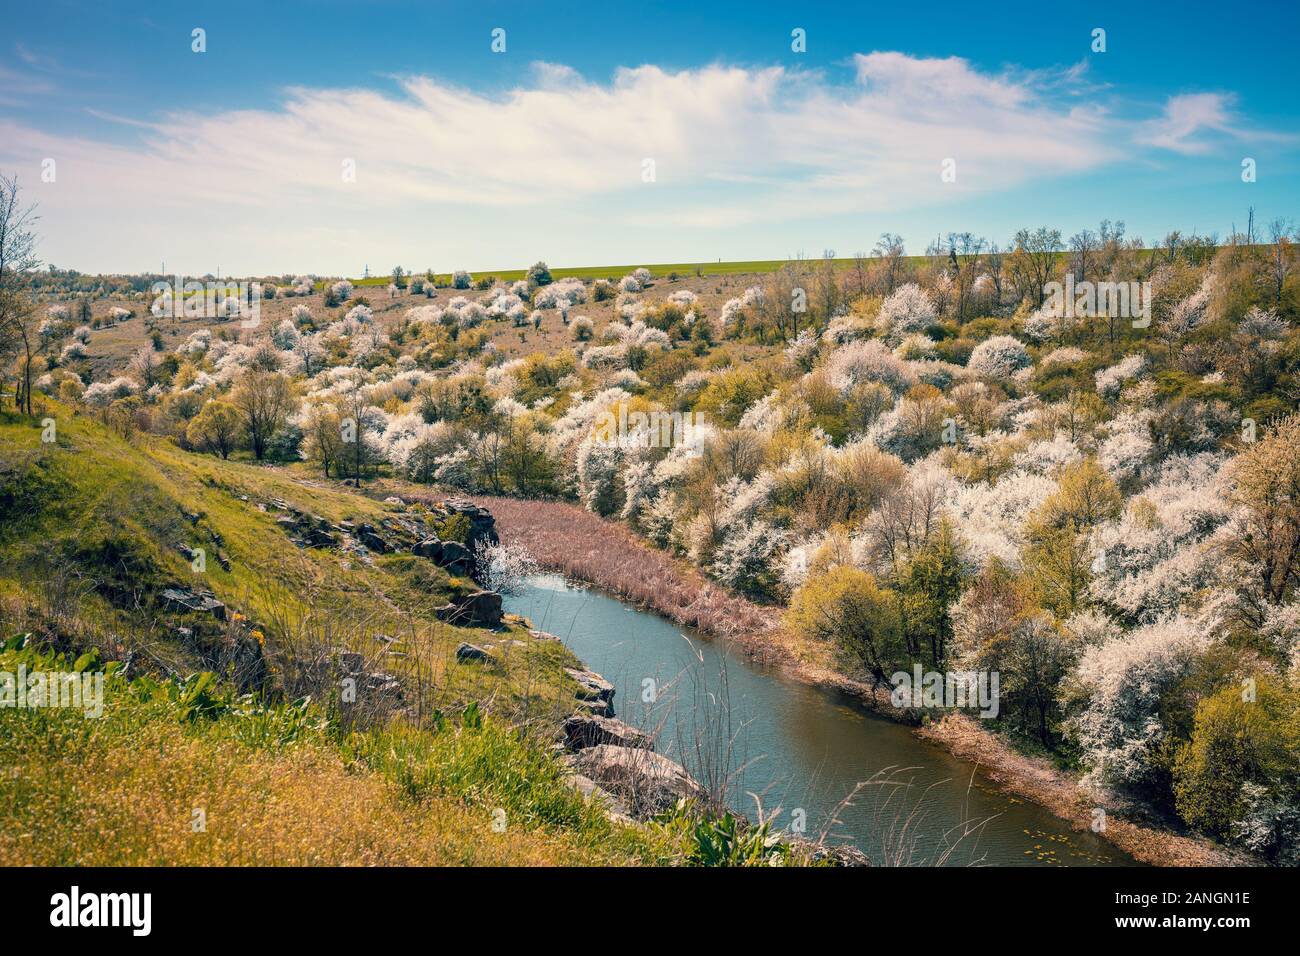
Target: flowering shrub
(908,309)
(998,357)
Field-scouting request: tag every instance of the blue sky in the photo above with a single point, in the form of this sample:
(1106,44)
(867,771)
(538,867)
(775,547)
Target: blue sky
(235,158)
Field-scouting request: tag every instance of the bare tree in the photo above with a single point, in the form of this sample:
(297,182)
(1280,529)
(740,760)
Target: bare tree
(827,289)
(993,263)
(1280,233)
(1084,248)
(784,303)
(890,250)
(1033,261)
(969,247)
(1111,237)
(859,273)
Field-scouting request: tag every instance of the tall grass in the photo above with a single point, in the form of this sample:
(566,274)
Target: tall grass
(280,784)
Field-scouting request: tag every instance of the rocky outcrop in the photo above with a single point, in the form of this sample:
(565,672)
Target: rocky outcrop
(837,855)
(479,609)
(647,783)
(482,526)
(589,730)
(591,686)
(454,557)
(614,808)
(598,708)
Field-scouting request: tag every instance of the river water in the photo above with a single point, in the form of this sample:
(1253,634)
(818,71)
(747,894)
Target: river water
(814,755)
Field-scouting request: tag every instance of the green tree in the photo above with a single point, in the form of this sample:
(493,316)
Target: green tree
(1238,741)
(1057,555)
(539,274)
(1266,486)
(930,583)
(847,608)
(264,400)
(216,428)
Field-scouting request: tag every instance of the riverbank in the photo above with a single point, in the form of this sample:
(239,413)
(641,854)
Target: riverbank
(568,539)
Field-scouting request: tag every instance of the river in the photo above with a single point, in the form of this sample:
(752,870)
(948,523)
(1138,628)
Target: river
(802,750)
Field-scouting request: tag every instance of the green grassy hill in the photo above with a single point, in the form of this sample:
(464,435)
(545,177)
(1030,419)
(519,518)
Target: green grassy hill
(91,527)
(98,522)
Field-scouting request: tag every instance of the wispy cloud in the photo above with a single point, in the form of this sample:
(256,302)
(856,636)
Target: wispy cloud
(1186,118)
(36,60)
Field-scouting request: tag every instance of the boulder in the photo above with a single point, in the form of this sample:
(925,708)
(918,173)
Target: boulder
(479,609)
(588,730)
(429,548)
(472,652)
(371,539)
(646,782)
(457,558)
(382,685)
(452,555)
(320,538)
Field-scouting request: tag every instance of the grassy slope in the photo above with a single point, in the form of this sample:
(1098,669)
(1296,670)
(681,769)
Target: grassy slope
(112,510)
(109,502)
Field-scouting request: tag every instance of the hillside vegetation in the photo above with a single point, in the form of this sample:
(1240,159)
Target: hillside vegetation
(933,461)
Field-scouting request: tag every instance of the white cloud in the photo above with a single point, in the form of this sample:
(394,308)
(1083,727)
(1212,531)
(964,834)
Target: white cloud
(443,169)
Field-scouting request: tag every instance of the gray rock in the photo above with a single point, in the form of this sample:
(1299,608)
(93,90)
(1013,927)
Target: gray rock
(600,708)
(428,548)
(480,609)
(647,782)
(591,685)
(612,805)
(453,556)
(588,730)
(482,526)
(187,600)
(472,652)
(371,539)
(382,685)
